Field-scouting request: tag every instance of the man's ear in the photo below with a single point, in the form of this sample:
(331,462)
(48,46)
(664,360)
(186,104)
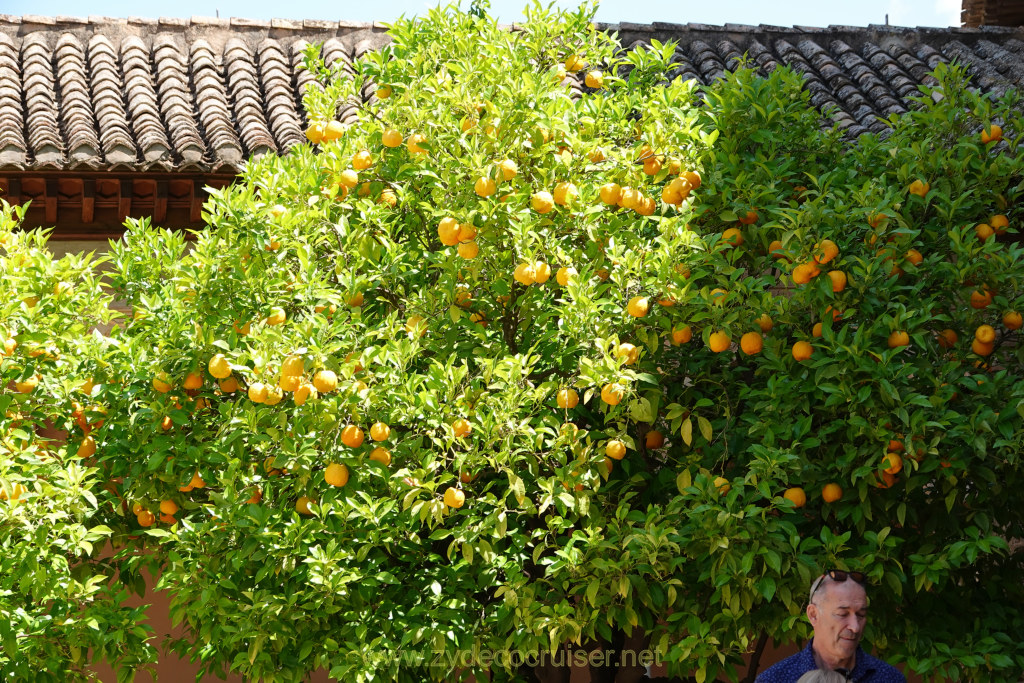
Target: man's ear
(812,614)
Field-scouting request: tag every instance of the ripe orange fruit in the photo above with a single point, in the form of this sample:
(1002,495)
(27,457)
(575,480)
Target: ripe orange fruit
(525,274)
(914,256)
(87,448)
(610,193)
(333,130)
(692,177)
(893,463)
(567,398)
(197,482)
(565,194)
(681,334)
(461,428)
(749,218)
(542,202)
(719,341)
(981,348)
(541,272)
(999,223)
(161,383)
(718,295)
(448,231)
(168,507)
(830,493)
(348,178)
(816,330)
(652,165)
(380,431)
(414,144)
(336,474)
(302,506)
(733,237)
(292,366)
(613,393)
(362,160)
(993,133)
(775,249)
(615,449)
(219,367)
(802,350)
(303,392)
(381,455)
(256,497)
(277,316)
(258,392)
(274,396)
(315,132)
(898,338)
(325,381)
(469,250)
(193,380)
(723,485)
(884,480)
(1012,320)
(573,63)
(764,321)
(919,188)
(986,334)
(638,306)
(984,231)
(802,274)
(825,251)
(391,138)
(594,79)
(27,386)
(751,343)
(454,498)
(485,186)
(980,298)
(654,439)
(352,436)
(145,518)
(796,495)
(838,279)
(384,91)
(629,352)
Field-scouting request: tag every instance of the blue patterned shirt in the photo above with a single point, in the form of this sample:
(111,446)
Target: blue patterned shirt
(867,669)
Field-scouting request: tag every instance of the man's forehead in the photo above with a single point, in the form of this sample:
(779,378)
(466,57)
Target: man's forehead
(847,594)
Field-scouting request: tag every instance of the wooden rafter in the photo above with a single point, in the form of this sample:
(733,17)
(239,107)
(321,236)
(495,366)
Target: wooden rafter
(94,205)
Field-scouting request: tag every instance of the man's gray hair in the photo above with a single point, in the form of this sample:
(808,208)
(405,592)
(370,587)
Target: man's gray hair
(815,587)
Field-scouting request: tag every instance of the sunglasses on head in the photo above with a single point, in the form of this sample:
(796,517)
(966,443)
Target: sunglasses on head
(838,575)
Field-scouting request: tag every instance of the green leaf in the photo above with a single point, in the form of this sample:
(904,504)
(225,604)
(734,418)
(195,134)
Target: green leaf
(705,427)
(684,480)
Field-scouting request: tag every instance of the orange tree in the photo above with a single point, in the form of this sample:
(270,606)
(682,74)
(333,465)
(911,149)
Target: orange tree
(542,349)
(59,604)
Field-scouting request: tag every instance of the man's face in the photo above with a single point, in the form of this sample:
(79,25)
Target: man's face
(838,615)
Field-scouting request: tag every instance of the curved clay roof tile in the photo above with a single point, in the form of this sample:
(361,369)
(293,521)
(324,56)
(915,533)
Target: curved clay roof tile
(44,136)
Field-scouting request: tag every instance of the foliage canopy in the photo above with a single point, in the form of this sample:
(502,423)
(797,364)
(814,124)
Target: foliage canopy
(679,350)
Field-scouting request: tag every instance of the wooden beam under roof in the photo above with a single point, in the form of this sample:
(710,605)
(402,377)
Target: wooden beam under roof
(94,205)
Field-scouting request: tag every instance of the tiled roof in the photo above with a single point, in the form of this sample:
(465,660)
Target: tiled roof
(201,95)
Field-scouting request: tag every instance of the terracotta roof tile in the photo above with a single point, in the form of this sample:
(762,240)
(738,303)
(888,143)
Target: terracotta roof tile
(205,93)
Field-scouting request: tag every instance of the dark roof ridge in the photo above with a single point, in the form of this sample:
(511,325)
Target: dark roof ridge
(276,27)
(302,25)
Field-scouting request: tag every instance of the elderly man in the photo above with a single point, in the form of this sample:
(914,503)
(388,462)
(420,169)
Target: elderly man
(837,609)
